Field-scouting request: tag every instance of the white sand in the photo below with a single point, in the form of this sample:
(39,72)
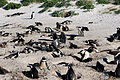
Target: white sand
(103,26)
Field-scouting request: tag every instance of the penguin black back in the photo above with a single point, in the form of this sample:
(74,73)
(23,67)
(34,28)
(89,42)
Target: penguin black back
(33,72)
(117,71)
(70,74)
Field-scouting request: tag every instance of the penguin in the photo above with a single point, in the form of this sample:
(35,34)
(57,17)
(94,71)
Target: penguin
(56,43)
(3,44)
(48,30)
(80,31)
(99,67)
(38,24)
(73,46)
(58,25)
(43,63)
(14,54)
(54,36)
(72,37)
(85,53)
(116,57)
(70,75)
(62,37)
(33,15)
(117,71)
(57,53)
(33,72)
(3,71)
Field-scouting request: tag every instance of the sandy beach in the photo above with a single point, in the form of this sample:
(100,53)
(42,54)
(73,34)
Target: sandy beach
(103,26)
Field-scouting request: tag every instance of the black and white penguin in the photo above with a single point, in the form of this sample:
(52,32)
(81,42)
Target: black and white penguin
(14,54)
(85,54)
(62,37)
(99,67)
(70,75)
(32,15)
(117,71)
(80,31)
(43,63)
(48,30)
(33,72)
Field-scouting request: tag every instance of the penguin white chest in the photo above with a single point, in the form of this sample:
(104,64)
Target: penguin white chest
(43,65)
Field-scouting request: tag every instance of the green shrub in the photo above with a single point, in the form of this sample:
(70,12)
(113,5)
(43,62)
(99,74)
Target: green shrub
(117,2)
(12,6)
(113,9)
(40,1)
(61,4)
(49,10)
(88,5)
(85,4)
(68,4)
(80,3)
(48,4)
(27,2)
(102,1)
(62,13)
(57,13)
(43,10)
(117,12)
(2,3)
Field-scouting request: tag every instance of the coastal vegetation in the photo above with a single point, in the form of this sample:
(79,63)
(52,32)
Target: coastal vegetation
(48,4)
(12,6)
(3,3)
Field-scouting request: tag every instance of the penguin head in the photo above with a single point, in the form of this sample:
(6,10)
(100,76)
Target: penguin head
(70,65)
(30,65)
(43,59)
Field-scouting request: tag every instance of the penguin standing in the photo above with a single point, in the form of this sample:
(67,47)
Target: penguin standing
(117,60)
(43,63)
(70,74)
(62,37)
(80,31)
(56,43)
(33,15)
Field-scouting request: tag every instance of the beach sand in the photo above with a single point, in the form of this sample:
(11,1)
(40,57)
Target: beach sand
(103,26)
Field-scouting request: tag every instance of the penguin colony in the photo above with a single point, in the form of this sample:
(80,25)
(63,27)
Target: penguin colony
(58,38)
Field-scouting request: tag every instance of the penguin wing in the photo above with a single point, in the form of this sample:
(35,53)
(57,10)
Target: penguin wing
(47,66)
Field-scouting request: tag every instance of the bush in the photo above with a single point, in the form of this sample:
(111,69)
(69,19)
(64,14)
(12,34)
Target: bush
(12,6)
(27,2)
(117,2)
(117,12)
(61,4)
(40,1)
(2,3)
(88,5)
(62,13)
(85,4)
(80,3)
(48,4)
(43,10)
(102,1)
(57,13)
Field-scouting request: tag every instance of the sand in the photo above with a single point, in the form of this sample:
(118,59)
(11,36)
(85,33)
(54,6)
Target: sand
(103,26)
